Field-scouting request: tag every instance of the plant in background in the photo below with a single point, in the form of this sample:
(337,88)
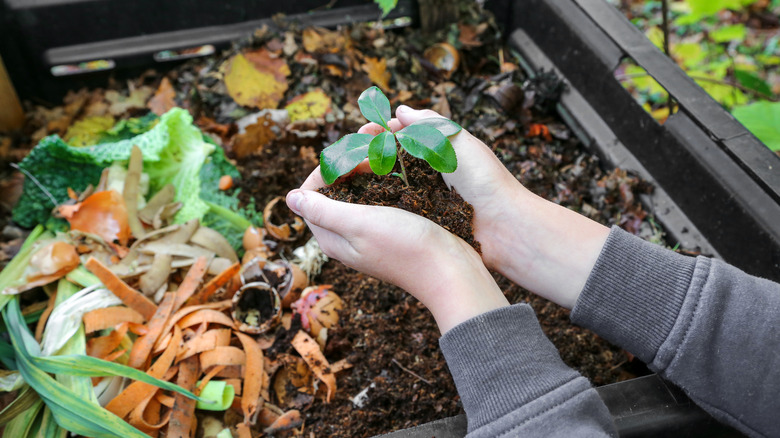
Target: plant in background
(386,5)
(426,139)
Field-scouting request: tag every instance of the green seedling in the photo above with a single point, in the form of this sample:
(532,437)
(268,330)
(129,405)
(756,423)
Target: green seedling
(426,139)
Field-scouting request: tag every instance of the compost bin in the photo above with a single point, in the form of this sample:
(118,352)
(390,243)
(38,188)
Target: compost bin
(717,188)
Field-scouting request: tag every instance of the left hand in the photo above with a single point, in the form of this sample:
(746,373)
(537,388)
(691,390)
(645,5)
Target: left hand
(435,266)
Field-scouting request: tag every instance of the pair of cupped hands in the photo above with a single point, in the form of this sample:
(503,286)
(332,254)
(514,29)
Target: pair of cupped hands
(539,245)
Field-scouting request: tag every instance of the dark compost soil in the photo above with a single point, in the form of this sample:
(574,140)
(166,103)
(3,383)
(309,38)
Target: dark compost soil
(427,195)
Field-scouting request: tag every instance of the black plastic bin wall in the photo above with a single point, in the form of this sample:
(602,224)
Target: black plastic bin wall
(717,186)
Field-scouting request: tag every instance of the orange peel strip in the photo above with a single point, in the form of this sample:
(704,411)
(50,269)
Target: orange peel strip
(101,319)
(310,352)
(131,297)
(138,392)
(183,411)
(191,282)
(253,375)
(142,347)
(222,356)
(215,284)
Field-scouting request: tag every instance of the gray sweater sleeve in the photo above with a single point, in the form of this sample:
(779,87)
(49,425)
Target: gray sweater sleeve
(512,381)
(704,325)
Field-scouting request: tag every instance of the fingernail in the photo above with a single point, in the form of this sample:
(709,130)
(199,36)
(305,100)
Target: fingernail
(402,109)
(294,201)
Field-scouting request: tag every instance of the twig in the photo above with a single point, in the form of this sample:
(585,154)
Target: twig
(665,25)
(412,372)
(666,31)
(37,183)
(711,80)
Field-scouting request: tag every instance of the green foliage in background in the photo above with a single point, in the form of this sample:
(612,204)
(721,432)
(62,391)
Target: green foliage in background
(709,40)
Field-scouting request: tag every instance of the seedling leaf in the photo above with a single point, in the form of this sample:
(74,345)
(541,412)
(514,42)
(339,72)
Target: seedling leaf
(382,153)
(343,156)
(427,143)
(375,106)
(447,127)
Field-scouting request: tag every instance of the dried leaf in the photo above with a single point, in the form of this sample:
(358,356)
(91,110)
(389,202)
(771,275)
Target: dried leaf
(256,137)
(163,98)
(312,105)
(376,69)
(121,104)
(469,35)
(319,40)
(256,79)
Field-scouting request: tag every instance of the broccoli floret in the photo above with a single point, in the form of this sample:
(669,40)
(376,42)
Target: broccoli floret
(225,213)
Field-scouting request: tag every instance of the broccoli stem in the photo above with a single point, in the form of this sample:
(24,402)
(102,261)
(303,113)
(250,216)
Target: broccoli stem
(235,219)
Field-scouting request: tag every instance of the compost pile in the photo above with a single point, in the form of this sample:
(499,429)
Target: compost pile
(160,244)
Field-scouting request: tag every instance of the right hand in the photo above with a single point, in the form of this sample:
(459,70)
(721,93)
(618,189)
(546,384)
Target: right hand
(546,248)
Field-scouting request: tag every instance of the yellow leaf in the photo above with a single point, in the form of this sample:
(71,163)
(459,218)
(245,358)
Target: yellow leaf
(89,131)
(312,105)
(377,71)
(256,79)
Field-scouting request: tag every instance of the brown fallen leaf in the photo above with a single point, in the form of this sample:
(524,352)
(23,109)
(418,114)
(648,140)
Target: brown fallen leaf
(319,40)
(376,69)
(11,190)
(256,79)
(256,137)
(163,99)
(469,35)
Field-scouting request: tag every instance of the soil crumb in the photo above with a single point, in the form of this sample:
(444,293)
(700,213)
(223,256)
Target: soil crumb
(427,196)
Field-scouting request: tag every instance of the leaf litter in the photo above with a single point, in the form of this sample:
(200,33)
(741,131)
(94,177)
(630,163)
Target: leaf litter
(180,327)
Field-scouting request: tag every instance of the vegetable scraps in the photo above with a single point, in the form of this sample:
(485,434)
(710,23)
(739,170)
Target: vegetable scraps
(141,239)
(175,153)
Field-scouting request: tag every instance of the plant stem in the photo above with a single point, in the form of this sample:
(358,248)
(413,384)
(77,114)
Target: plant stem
(403,168)
(665,27)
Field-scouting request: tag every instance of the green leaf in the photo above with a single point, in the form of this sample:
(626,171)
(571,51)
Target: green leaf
(87,366)
(81,386)
(71,412)
(429,144)
(727,34)
(753,82)
(14,270)
(763,120)
(21,425)
(80,416)
(447,127)
(386,5)
(382,153)
(49,427)
(343,156)
(375,106)
(25,399)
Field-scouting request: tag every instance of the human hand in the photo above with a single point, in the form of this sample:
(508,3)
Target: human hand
(438,268)
(541,246)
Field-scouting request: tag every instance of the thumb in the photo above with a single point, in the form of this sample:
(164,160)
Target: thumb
(407,115)
(319,210)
